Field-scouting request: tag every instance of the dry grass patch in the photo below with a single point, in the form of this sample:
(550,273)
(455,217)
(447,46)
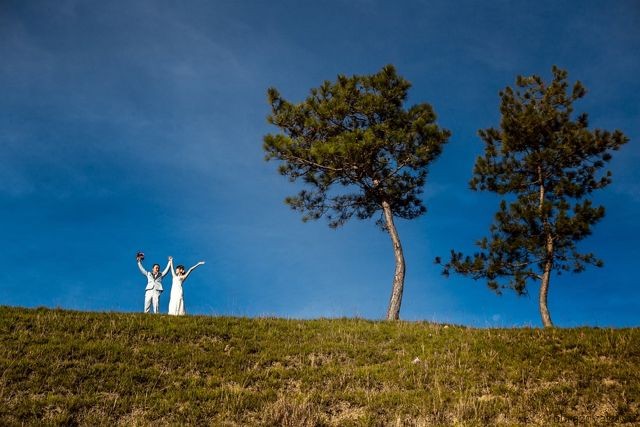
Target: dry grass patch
(70,368)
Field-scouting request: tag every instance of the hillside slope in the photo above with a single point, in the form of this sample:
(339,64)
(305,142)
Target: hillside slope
(65,367)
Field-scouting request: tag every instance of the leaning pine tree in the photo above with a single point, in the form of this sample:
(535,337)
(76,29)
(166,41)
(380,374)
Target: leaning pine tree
(546,164)
(359,152)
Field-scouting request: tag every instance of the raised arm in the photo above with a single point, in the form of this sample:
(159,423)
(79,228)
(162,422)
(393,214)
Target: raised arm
(173,272)
(142,270)
(166,269)
(191,269)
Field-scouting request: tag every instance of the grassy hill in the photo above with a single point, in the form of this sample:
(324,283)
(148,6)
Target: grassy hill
(65,367)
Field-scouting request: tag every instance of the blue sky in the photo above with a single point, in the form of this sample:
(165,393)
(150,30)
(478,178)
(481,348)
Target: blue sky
(129,126)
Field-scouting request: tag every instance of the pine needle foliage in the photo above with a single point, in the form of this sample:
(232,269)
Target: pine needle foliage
(546,163)
(359,152)
(355,145)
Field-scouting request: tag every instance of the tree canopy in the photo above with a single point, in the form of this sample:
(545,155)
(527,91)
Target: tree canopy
(545,163)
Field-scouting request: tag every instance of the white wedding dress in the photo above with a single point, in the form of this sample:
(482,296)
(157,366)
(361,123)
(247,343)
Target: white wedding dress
(176,300)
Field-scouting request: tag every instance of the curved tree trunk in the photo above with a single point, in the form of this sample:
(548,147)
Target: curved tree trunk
(393,312)
(546,275)
(544,285)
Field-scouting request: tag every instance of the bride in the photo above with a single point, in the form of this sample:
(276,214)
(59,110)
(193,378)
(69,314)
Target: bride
(176,300)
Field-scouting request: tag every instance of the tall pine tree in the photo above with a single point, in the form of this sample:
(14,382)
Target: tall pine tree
(359,152)
(546,164)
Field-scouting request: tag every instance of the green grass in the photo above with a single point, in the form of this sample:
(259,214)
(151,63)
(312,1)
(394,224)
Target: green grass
(66,368)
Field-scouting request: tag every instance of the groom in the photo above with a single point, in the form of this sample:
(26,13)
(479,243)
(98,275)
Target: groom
(154,284)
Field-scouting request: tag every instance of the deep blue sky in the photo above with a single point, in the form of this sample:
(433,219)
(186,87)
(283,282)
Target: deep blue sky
(138,125)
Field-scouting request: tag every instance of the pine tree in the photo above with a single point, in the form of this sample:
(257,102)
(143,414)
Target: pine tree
(546,164)
(358,152)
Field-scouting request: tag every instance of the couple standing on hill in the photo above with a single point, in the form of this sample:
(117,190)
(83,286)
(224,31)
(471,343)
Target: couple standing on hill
(154,285)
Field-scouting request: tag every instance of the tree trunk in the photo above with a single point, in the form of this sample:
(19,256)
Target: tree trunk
(546,275)
(544,285)
(393,312)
